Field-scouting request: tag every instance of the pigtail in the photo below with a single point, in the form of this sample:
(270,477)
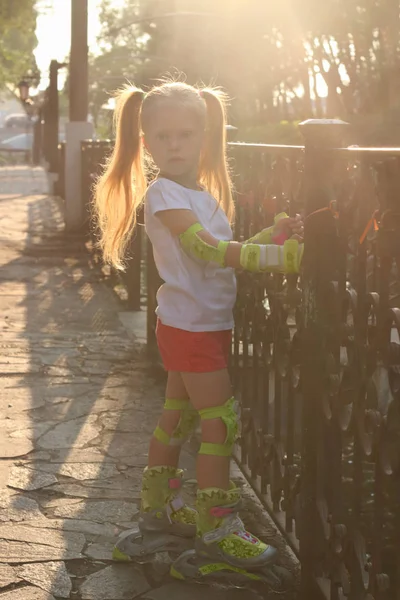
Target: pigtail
(120,189)
(214,171)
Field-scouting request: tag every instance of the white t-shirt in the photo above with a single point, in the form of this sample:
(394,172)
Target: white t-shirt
(196,295)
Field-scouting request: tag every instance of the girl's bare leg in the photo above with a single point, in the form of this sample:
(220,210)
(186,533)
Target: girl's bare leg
(208,390)
(159,453)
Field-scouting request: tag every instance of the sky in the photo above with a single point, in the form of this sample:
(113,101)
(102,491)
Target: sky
(54,32)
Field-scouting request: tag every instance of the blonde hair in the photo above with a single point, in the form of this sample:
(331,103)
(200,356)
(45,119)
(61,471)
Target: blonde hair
(121,189)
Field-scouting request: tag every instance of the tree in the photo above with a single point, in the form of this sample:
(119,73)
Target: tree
(230,43)
(273,58)
(17,40)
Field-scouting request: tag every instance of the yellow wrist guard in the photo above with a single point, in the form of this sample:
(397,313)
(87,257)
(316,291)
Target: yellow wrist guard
(258,258)
(198,248)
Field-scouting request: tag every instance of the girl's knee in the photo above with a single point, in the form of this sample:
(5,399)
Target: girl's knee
(219,427)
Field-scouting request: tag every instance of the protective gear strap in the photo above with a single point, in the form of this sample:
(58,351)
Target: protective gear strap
(173,404)
(227,413)
(198,248)
(257,258)
(187,423)
(162,436)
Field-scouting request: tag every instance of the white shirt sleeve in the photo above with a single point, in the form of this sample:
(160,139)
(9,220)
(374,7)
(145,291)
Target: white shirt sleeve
(166,195)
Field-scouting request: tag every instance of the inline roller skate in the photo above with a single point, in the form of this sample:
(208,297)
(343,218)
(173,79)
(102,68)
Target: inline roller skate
(166,523)
(224,552)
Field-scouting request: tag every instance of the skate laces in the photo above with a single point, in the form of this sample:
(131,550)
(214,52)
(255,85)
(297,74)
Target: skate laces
(231,524)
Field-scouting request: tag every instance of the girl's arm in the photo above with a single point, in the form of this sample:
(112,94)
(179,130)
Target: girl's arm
(199,242)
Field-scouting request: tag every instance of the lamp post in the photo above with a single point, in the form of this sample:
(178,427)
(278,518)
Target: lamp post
(78,128)
(51,120)
(23,88)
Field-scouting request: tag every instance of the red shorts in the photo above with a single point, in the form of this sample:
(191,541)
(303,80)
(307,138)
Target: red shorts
(193,351)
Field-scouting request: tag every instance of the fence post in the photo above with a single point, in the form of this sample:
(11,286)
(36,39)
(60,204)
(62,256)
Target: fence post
(133,275)
(153,282)
(320,267)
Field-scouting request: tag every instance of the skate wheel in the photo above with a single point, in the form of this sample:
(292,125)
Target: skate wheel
(191,566)
(278,578)
(130,546)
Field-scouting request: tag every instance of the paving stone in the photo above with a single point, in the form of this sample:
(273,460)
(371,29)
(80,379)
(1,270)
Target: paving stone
(130,421)
(77,433)
(117,582)
(39,456)
(14,424)
(80,491)
(183,591)
(74,409)
(58,371)
(15,365)
(33,431)
(17,399)
(29,479)
(16,507)
(50,576)
(107,510)
(27,593)
(130,449)
(100,551)
(85,527)
(120,483)
(50,502)
(22,544)
(83,455)
(61,392)
(12,448)
(8,575)
(81,471)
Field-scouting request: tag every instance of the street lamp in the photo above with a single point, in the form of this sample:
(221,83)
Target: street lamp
(23,87)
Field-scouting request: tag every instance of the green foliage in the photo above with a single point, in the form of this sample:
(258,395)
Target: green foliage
(17,40)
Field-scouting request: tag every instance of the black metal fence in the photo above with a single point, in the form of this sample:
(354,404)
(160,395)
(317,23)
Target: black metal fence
(316,362)
(316,359)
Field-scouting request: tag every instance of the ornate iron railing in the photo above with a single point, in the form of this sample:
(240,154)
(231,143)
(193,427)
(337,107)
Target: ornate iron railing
(94,155)
(316,362)
(316,359)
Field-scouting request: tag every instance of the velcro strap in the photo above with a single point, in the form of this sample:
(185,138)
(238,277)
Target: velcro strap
(161,436)
(291,259)
(269,257)
(173,404)
(173,507)
(195,228)
(215,449)
(177,503)
(217,412)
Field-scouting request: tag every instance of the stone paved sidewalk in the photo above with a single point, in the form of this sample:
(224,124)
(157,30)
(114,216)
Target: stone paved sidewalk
(78,402)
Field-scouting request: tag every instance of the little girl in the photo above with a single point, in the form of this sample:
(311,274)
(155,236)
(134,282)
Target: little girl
(178,132)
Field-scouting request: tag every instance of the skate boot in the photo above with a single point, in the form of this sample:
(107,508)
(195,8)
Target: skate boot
(166,524)
(224,551)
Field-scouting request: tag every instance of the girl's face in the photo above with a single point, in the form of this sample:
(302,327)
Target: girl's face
(174,136)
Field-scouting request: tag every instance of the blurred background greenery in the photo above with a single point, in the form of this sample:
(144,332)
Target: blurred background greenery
(280,61)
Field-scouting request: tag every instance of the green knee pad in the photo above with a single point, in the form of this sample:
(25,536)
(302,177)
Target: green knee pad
(227,413)
(186,425)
